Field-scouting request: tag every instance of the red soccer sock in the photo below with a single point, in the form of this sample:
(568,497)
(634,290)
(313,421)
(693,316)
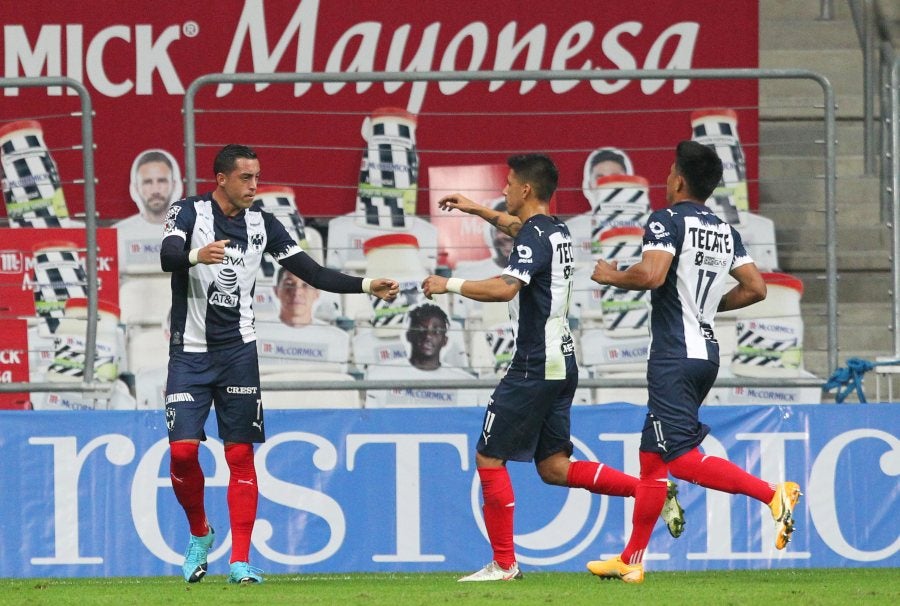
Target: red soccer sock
(243,495)
(649,499)
(601,479)
(499,509)
(188,483)
(712,472)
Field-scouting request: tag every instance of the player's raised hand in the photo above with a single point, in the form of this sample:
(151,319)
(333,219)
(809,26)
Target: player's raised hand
(385,289)
(459,202)
(213,253)
(434,285)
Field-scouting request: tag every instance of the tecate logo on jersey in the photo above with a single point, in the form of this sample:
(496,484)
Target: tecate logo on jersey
(148,51)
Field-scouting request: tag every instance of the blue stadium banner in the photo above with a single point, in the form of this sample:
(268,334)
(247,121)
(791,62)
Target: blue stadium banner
(88,493)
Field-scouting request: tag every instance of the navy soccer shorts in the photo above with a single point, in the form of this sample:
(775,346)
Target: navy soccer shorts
(528,419)
(229,378)
(677,388)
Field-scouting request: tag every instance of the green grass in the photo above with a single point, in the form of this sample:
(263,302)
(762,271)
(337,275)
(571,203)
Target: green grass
(722,588)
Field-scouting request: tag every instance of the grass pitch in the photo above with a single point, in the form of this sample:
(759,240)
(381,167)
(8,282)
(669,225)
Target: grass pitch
(723,588)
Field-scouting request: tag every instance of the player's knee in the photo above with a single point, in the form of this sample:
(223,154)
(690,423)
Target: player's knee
(183,453)
(239,456)
(554,470)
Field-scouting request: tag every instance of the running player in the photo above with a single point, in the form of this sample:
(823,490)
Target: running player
(213,245)
(528,415)
(688,253)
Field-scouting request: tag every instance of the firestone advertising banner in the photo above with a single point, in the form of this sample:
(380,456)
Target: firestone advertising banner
(396,490)
(137,61)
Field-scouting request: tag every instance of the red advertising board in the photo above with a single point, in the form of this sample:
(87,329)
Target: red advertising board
(13,362)
(137,60)
(464,237)
(40,269)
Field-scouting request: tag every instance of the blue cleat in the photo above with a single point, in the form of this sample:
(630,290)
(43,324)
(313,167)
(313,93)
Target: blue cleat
(194,567)
(244,573)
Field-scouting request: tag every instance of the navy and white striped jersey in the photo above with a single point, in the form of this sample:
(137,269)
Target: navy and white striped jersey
(706,249)
(544,259)
(212,304)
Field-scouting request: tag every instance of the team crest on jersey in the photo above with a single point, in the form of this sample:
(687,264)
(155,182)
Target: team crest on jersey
(257,241)
(171,215)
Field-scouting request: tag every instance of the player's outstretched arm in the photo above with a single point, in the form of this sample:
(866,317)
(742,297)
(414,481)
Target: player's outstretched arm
(324,278)
(505,222)
(497,289)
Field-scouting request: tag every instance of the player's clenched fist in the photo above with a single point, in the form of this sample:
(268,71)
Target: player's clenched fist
(434,285)
(385,289)
(213,253)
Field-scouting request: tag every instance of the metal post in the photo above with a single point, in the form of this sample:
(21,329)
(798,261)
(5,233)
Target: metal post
(895,197)
(870,84)
(190,142)
(87,155)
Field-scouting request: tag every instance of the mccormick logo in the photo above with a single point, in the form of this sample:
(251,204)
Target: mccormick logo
(387,354)
(11,262)
(10,356)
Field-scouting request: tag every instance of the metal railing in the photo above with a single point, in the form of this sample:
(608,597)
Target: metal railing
(190,110)
(895,198)
(87,139)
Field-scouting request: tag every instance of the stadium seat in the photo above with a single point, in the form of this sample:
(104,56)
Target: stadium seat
(144,300)
(148,347)
(316,347)
(307,398)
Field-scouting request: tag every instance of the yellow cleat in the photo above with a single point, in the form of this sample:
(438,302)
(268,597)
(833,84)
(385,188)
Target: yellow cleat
(617,569)
(786,496)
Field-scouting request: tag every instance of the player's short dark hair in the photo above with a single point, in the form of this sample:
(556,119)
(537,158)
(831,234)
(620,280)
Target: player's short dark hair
(418,315)
(700,166)
(228,155)
(608,155)
(154,156)
(538,170)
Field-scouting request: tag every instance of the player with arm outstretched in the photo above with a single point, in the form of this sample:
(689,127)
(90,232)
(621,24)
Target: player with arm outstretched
(528,415)
(213,245)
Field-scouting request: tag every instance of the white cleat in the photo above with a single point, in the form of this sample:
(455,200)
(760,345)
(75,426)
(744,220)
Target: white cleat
(493,572)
